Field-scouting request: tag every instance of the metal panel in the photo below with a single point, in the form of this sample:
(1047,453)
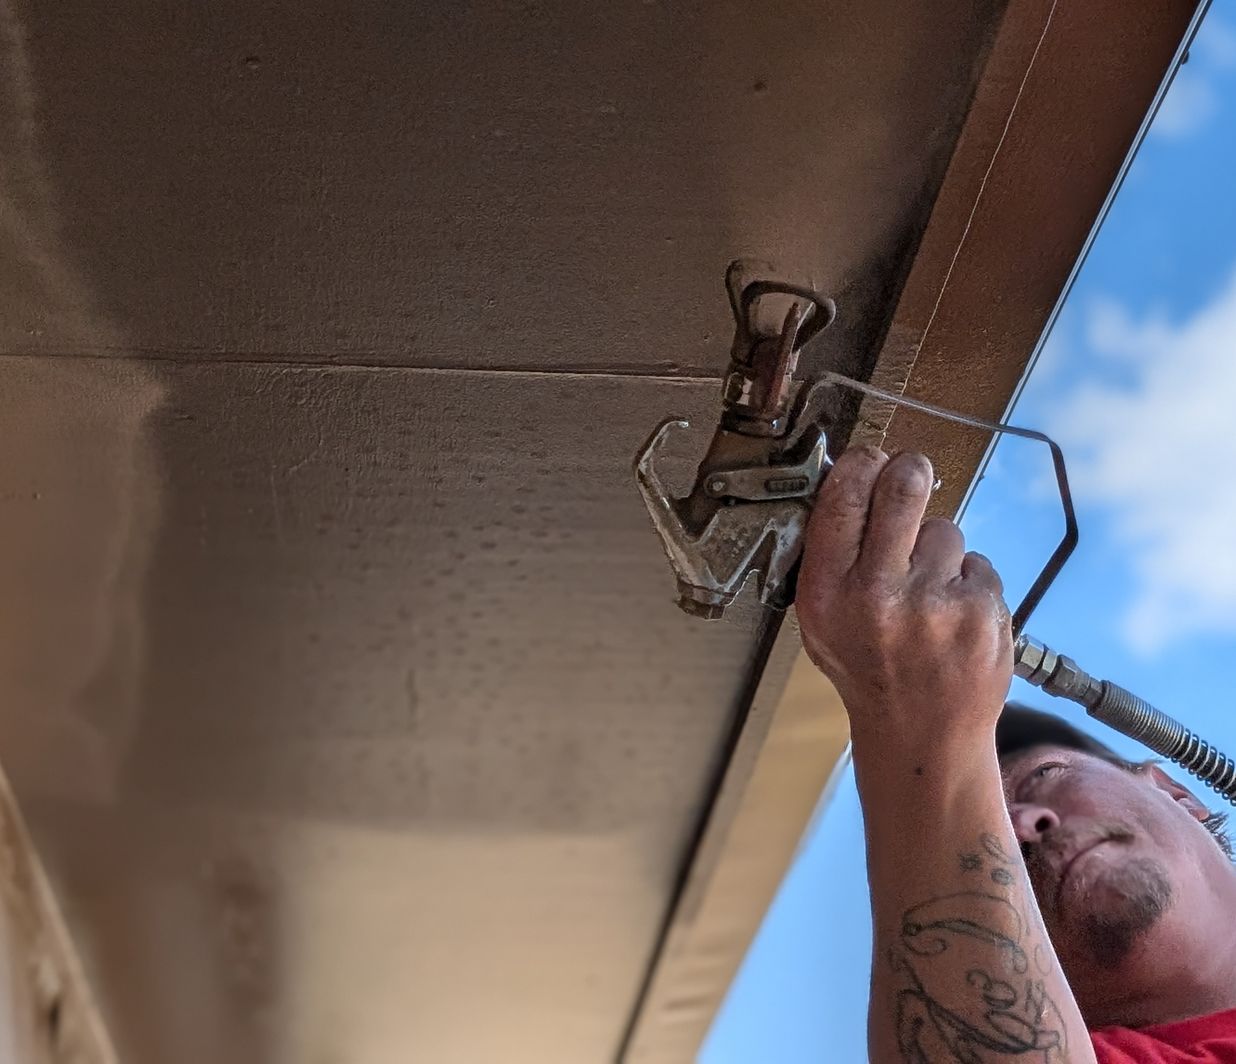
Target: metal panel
(378,730)
(1007,257)
(508,183)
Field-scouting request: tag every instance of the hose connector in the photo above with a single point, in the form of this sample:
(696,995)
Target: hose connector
(1056,674)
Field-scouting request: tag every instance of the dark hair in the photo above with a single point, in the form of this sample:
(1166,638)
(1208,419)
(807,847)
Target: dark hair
(1216,824)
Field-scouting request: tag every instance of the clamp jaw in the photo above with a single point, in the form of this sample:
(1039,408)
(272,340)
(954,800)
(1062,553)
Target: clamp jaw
(754,490)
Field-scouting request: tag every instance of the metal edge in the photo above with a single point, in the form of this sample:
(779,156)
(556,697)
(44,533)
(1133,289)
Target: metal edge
(49,1008)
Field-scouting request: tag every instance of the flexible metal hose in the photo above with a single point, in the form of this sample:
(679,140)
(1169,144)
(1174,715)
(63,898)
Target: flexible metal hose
(1130,715)
(1138,719)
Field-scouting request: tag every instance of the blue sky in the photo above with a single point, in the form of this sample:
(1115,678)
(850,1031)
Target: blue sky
(1138,382)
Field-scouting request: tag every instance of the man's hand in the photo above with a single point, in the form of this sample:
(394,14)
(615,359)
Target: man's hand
(915,634)
(911,629)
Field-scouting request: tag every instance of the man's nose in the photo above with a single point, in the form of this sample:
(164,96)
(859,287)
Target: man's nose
(1032,822)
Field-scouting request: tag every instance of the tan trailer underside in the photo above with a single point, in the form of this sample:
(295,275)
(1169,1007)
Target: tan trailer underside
(340,681)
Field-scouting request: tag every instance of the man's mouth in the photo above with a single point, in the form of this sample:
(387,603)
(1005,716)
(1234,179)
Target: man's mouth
(1068,868)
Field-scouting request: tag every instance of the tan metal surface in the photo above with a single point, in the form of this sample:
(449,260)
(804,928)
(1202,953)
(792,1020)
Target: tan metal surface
(1009,226)
(802,734)
(517,183)
(354,754)
(340,682)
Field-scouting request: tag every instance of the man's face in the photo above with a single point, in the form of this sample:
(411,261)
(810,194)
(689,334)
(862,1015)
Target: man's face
(1118,860)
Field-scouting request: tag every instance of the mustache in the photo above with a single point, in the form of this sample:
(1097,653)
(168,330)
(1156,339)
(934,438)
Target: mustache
(1046,860)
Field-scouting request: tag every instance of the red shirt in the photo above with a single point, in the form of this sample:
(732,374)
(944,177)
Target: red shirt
(1201,1040)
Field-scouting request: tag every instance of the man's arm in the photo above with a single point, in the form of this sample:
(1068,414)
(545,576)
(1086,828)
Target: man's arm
(915,635)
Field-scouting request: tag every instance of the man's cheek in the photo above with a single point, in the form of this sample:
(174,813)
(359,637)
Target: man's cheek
(1042,883)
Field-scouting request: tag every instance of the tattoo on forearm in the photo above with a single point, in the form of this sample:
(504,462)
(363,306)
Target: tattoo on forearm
(1001,1009)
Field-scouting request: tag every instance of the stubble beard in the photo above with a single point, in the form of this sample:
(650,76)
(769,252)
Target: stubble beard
(1115,911)
(1139,893)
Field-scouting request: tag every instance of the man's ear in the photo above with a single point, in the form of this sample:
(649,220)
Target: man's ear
(1178,793)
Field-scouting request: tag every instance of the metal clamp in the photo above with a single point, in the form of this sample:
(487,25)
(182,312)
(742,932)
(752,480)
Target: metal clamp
(753,493)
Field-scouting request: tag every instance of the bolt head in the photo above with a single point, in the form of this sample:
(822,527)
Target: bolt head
(1068,680)
(1028,658)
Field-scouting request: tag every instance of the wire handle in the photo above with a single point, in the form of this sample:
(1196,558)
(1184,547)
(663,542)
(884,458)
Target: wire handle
(1068,542)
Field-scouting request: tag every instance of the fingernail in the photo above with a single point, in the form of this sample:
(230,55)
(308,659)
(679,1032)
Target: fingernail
(916,472)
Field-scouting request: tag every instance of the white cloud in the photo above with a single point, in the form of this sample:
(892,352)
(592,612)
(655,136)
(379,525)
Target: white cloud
(1112,334)
(1057,351)
(1190,104)
(1216,42)
(1158,452)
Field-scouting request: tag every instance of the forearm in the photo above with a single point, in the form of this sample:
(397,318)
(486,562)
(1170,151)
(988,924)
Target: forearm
(914,633)
(963,968)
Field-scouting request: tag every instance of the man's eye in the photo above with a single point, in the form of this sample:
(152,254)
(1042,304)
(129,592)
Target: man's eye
(1029,784)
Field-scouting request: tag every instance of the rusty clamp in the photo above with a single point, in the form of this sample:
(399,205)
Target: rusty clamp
(748,509)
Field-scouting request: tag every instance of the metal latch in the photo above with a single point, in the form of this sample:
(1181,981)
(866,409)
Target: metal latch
(753,493)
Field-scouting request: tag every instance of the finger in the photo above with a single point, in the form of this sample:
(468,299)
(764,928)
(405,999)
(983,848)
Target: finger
(977,569)
(835,532)
(897,507)
(939,549)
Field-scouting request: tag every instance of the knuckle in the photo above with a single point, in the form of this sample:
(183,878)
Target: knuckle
(934,610)
(943,528)
(943,524)
(848,486)
(979,565)
(882,609)
(984,609)
(867,454)
(876,588)
(980,571)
